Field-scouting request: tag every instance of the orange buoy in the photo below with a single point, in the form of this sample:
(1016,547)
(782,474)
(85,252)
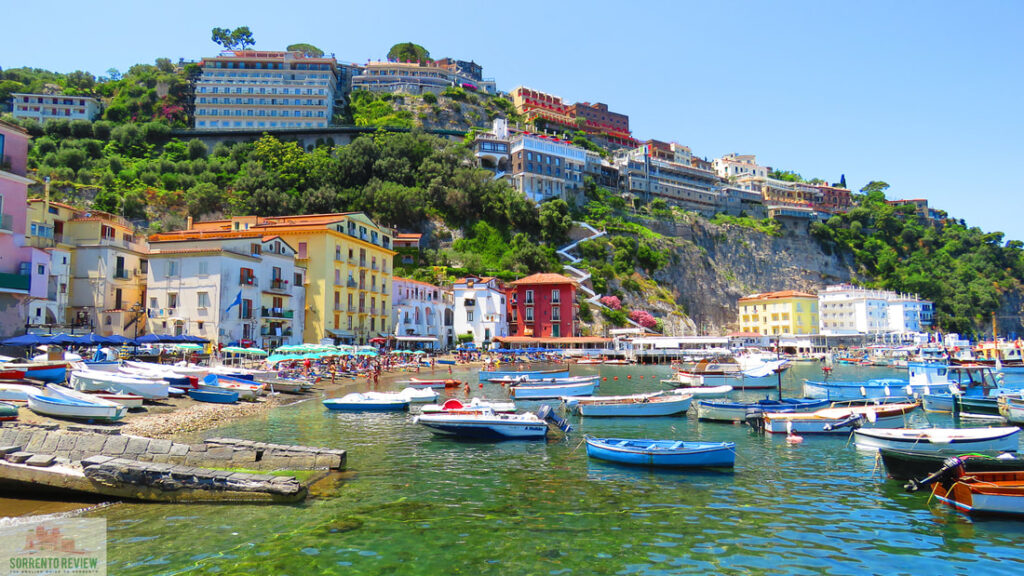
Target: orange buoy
(615,378)
(629,377)
(605,379)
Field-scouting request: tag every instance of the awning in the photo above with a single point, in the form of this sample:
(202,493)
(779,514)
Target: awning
(340,333)
(416,338)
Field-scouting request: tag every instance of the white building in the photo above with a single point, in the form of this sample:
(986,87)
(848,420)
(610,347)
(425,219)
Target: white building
(43,107)
(847,309)
(645,174)
(259,90)
(423,314)
(226,287)
(544,167)
(480,308)
(737,165)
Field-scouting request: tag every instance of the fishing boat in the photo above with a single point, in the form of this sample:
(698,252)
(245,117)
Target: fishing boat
(702,391)
(43,371)
(419,395)
(97,380)
(976,493)
(474,405)
(17,393)
(247,389)
(833,420)
(635,405)
(491,425)
(59,402)
(213,395)
(915,464)
(8,412)
(972,381)
(552,391)
(1005,439)
(732,411)
(710,373)
(1012,409)
(486,375)
(664,453)
(434,383)
(368,402)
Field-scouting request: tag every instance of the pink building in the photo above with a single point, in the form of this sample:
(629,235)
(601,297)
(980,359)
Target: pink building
(17,261)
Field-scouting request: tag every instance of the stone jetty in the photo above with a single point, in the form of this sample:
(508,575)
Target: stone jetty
(101,461)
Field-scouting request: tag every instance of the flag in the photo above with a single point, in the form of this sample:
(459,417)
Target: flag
(236,302)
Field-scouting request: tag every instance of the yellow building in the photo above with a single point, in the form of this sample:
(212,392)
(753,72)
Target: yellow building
(348,261)
(786,313)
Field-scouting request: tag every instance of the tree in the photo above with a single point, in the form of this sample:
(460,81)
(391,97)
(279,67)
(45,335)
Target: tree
(80,80)
(238,39)
(408,52)
(307,49)
(555,220)
(874,186)
(165,65)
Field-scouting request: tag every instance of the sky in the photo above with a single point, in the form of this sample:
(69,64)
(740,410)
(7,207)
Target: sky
(925,96)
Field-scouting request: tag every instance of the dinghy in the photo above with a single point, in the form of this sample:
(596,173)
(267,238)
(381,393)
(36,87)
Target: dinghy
(731,411)
(59,402)
(635,405)
(97,380)
(368,402)
(554,391)
(1004,439)
(665,453)
(213,395)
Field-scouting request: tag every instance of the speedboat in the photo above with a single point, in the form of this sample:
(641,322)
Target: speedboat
(490,425)
(454,405)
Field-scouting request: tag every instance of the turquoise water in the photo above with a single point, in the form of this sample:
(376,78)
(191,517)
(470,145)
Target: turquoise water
(412,503)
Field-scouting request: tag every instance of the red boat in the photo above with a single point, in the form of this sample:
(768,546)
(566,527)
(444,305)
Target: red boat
(436,383)
(43,371)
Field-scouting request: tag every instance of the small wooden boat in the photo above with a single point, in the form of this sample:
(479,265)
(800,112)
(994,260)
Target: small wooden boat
(247,389)
(490,425)
(554,373)
(666,453)
(126,400)
(419,395)
(975,407)
(8,412)
(554,391)
(636,405)
(916,464)
(55,371)
(833,420)
(1005,439)
(368,402)
(171,377)
(701,391)
(98,380)
(213,395)
(720,410)
(17,393)
(454,405)
(59,402)
(976,493)
(1010,408)
(434,383)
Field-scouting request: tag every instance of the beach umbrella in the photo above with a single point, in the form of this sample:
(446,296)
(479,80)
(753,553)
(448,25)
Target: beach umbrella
(189,346)
(26,340)
(121,340)
(254,351)
(418,352)
(233,350)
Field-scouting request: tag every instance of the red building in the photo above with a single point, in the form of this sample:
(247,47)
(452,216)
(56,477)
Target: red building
(834,200)
(542,306)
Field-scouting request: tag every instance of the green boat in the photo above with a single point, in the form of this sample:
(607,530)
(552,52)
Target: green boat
(978,407)
(8,411)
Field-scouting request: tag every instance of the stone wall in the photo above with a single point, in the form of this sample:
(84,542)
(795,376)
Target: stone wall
(79,442)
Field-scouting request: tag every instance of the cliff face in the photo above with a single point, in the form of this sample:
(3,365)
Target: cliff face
(713,266)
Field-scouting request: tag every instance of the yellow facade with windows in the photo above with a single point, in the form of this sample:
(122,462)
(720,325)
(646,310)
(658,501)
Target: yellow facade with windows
(786,313)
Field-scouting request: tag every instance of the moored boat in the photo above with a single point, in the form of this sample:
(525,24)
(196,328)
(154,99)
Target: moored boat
(664,453)
(490,425)
(1012,409)
(834,420)
(368,402)
(552,373)
(702,391)
(636,405)
(552,391)
(721,410)
(1004,439)
(434,383)
(903,464)
(419,395)
(524,381)
(474,405)
(976,493)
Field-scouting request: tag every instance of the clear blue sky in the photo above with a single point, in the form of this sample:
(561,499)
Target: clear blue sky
(923,95)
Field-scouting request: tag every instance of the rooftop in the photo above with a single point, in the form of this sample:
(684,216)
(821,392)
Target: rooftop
(778,295)
(544,278)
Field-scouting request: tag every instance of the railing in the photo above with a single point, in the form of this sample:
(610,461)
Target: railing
(362,285)
(41,242)
(351,309)
(362,263)
(278,284)
(351,284)
(373,310)
(245,315)
(248,281)
(338,306)
(373,266)
(277,313)
(362,310)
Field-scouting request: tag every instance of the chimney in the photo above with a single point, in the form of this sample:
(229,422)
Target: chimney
(189,223)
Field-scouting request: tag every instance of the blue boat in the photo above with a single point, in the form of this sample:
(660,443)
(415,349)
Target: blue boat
(213,396)
(723,410)
(524,374)
(664,453)
(368,402)
(923,377)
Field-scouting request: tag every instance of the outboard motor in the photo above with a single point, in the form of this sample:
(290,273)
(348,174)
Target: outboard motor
(547,414)
(853,421)
(755,419)
(949,467)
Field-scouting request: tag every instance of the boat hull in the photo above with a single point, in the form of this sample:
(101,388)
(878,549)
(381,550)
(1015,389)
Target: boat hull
(935,440)
(892,416)
(549,392)
(870,390)
(52,372)
(483,427)
(95,381)
(338,405)
(512,374)
(724,411)
(662,453)
(213,396)
(984,494)
(73,410)
(656,406)
(908,464)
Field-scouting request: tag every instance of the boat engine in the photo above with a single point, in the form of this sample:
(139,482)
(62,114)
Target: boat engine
(853,421)
(948,471)
(547,414)
(755,419)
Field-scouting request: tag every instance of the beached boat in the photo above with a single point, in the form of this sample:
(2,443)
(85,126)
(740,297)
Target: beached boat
(732,411)
(916,464)
(553,391)
(368,402)
(434,383)
(490,425)
(213,395)
(486,375)
(247,389)
(976,493)
(97,380)
(474,405)
(8,412)
(419,395)
(127,400)
(172,378)
(635,405)
(59,402)
(17,393)
(834,420)
(665,453)
(1004,439)
(55,371)
(701,391)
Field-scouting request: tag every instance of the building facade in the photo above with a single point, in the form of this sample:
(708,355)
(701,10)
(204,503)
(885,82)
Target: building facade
(545,167)
(348,262)
(18,276)
(259,90)
(46,226)
(848,309)
(228,287)
(43,107)
(596,120)
(785,313)
(542,306)
(732,166)
(480,308)
(423,314)
(419,77)
(645,173)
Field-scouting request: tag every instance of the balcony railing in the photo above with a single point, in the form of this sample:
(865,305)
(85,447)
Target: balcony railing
(248,281)
(278,284)
(351,309)
(351,284)
(338,307)
(41,242)
(245,315)
(277,313)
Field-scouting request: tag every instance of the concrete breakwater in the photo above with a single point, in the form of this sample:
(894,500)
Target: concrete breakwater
(101,461)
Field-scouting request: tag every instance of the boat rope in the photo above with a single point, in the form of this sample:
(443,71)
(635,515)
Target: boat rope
(878,460)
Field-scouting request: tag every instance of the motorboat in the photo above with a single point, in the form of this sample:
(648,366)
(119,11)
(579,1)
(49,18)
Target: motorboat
(453,405)
(553,391)
(368,402)
(834,420)
(490,425)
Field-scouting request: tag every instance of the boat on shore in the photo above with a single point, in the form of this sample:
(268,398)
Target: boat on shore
(662,453)
(904,464)
(213,395)
(722,410)
(8,412)
(490,425)
(50,372)
(17,393)
(98,380)
(1004,439)
(60,402)
(434,383)
(630,406)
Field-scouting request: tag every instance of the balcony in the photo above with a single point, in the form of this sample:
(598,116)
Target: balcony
(351,283)
(362,263)
(248,281)
(362,310)
(351,309)
(277,313)
(14,282)
(125,274)
(41,242)
(245,315)
(338,307)
(374,266)
(278,285)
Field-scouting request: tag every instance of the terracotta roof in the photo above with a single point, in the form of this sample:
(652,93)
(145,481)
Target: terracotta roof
(404,236)
(778,295)
(183,235)
(411,281)
(10,126)
(544,278)
(60,204)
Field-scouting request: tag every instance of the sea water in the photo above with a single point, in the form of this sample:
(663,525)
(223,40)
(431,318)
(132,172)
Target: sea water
(414,503)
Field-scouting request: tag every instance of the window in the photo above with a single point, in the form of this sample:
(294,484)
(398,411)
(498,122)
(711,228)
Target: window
(246,276)
(203,267)
(40,269)
(529,314)
(172,267)
(154,303)
(556,296)
(172,299)
(529,297)
(203,299)
(469,316)
(556,331)
(556,314)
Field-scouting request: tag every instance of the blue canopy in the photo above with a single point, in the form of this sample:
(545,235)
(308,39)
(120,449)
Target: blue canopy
(154,338)
(193,339)
(118,340)
(27,340)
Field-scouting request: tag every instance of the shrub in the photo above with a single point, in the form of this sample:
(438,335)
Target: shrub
(430,98)
(643,318)
(612,302)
